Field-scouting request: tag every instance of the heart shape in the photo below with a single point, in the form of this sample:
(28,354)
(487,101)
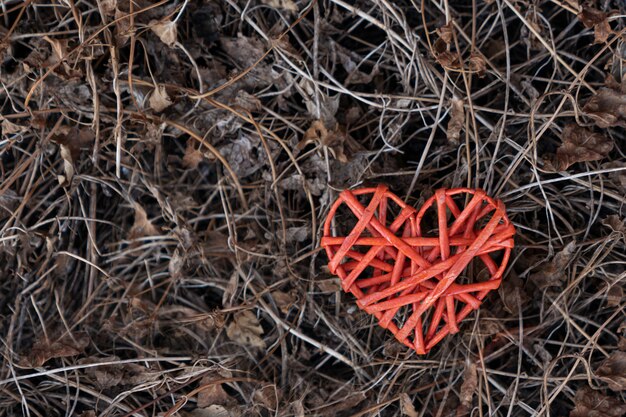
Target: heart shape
(405,274)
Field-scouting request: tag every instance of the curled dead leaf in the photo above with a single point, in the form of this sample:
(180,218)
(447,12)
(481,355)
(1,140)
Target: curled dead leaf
(592,403)
(333,139)
(406,405)
(159,100)
(288,5)
(68,345)
(445,33)
(213,393)
(607,108)
(478,65)
(166,31)
(268,396)
(10,128)
(469,385)
(245,329)
(613,371)
(554,272)
(283,300)
(457,121)
(598,20)
(142,227)
(580,145)
(113,375)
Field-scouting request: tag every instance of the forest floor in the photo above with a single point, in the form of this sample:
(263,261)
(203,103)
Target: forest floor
(166,168)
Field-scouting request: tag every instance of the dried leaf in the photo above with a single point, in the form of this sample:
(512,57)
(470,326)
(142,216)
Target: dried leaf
(122,28)
(408,409)
(10,128)
(615,223)
(445,33)
(193,157)
(457,121)
(166,31)
(613,371)
(9,201)
(44,350)
(114,375)
(478,65)
(159,100)
(142,227)
(283,300)
(108,7)
(288,5)
(245,329)
(512,294)
(213,393)
(244,154)
(329,285)
(554,272)
(592,403)
(607,108)
(247,101)
(469,385)
(68,165)
(580,145)
(333,139)
(214,410)
(268,395)
(598,20)
(614,296)
(444,57)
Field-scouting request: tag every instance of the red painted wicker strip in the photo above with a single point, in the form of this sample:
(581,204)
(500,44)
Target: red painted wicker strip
(412,283)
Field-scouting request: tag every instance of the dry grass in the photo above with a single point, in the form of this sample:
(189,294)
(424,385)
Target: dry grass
(162,190)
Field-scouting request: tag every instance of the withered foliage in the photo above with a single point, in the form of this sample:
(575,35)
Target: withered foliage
(166,168)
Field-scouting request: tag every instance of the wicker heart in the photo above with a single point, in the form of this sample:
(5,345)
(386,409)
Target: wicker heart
(408,270)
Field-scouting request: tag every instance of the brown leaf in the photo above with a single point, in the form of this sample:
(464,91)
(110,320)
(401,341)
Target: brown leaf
(445,33)
(613,371)
(598,20)
(580,145)
(444,57)
(283,300)
(512,293)
(457,121)
(592,403)
(245,329)
(615,223)
(469,385)
(122,28)
(10,128)
(268,395)
(44,350)
(333,140)
(166,31)
(607,108)
(554,272)
(614,296)
(247,101)
(288,5)
(108,7)
(478,65)
(108,376)
(329,285)
(142,227)
(193,157)
(406,405)
(159,100)
(213,393)
(68,165)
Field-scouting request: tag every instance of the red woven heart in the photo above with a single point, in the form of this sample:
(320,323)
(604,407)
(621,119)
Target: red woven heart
(406,276)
